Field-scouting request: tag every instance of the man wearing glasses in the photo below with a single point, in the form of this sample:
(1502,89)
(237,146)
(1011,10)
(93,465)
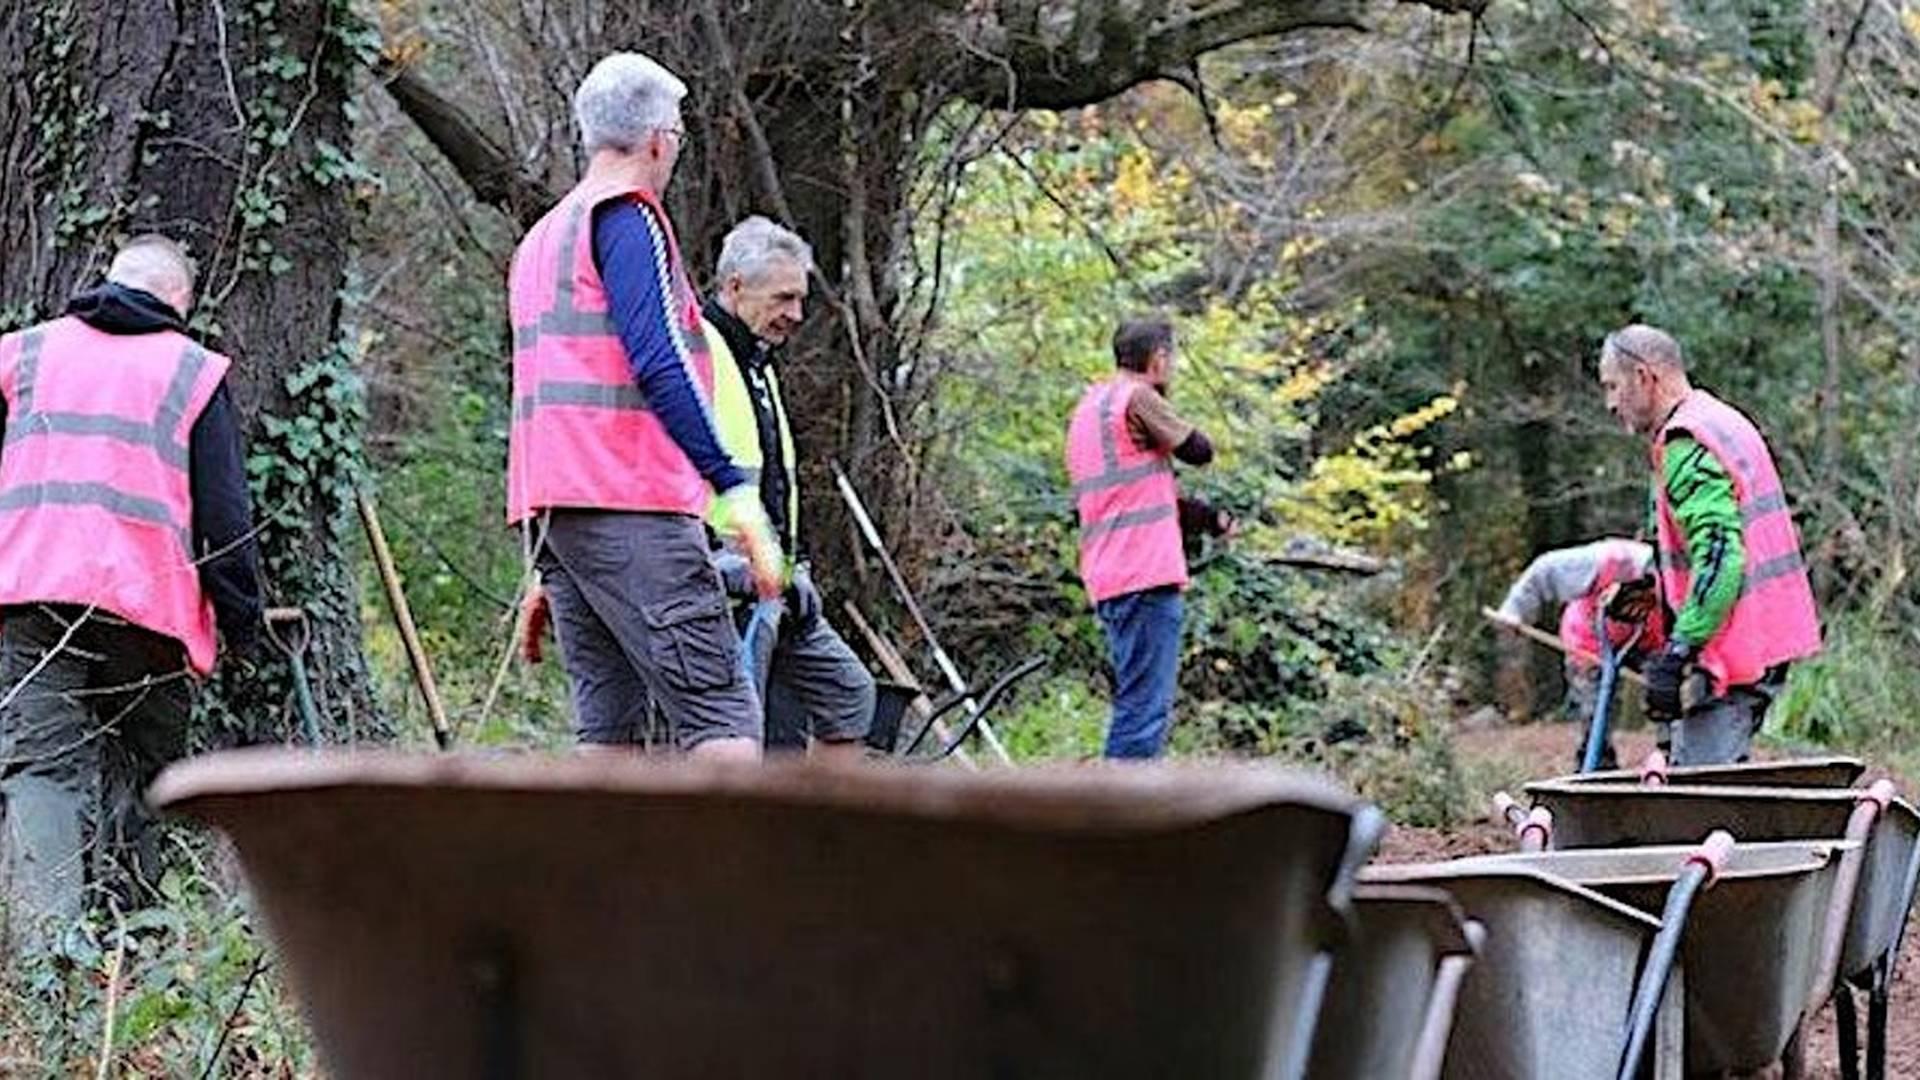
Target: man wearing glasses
(612,457)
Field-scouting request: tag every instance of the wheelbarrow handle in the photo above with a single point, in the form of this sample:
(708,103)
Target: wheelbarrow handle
(1699,870)
(984,701)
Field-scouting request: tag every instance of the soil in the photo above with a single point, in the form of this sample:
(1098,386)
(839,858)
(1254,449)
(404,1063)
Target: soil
(1546,749)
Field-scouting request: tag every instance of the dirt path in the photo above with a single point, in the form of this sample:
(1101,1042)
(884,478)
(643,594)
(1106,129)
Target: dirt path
(1505,755)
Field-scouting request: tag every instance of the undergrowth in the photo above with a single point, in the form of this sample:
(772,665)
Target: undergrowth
(184,988)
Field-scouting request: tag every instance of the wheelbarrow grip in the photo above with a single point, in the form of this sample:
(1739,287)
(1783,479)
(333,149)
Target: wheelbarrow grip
(1653,770)
(1881,793)
(1507,812)
(1537,833)
(1712,855)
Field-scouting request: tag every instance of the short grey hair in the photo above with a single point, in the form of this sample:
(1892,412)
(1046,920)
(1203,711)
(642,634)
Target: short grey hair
(752,245)
(152,263)
(1645,344)
(624,97)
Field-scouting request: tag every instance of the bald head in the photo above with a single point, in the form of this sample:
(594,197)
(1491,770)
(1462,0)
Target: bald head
(155,264)
(1643,344)
(1644,374)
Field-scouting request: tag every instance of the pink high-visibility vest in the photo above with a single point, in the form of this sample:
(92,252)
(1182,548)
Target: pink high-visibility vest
(1127,498)
(1619,562)
(582,435)
(1774,619)
(96,500)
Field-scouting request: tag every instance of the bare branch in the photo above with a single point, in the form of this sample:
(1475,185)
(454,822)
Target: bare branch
(1106,47)
(480,161)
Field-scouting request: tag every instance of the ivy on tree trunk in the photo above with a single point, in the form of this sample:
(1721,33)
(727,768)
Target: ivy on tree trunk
(223,127)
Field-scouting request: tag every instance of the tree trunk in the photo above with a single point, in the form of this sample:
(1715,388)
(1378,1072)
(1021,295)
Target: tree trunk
(144,115)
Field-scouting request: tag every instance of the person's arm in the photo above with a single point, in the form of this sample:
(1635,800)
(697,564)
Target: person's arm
(1700,494)
(1558,577)
(1195,450)
(223,537)
(631,250)
(1155,425)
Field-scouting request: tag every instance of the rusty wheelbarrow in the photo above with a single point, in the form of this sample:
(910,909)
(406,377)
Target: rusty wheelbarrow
(1751,944)
(1550,990)
(535,916)
(1876,893)
(1389,1008)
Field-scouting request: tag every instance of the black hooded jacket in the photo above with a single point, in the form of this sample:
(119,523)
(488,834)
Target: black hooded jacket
(222,509)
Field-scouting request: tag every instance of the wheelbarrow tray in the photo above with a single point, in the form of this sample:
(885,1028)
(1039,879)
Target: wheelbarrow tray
(1384,980)
(593,916)
(1819,772)
(1752,941)
(1549,991)
(1618,815)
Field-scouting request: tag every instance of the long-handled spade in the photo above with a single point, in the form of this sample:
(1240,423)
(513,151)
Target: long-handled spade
(294,646)
(1611,660)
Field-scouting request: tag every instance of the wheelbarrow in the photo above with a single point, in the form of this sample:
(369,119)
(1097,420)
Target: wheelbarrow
(1751,944)
(1389,1008)
(1820,772)
(1874,910)
(594,916)
(1551,988)
(891,700)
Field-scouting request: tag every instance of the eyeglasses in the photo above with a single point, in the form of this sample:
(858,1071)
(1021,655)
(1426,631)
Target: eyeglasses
(678,131)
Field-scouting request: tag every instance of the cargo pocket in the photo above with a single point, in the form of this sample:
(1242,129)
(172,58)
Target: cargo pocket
(692,643)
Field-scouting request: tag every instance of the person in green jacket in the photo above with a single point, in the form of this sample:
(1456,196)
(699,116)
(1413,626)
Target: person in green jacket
(811,683)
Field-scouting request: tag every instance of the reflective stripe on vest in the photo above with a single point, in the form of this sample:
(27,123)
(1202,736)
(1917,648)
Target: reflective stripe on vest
(1773,620)
(97,444)
(582,433)
(1126,498)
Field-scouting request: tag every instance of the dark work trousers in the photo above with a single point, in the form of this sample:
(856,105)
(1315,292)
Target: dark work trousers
(96,707)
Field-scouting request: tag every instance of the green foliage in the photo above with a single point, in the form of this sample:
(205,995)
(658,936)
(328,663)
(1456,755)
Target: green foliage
(303,466)
(443,496)
(1660,164)
(1858,694)
(186,984)
(1053,241)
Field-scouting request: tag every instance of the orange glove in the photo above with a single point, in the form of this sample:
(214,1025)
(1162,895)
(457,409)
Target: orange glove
(535,613)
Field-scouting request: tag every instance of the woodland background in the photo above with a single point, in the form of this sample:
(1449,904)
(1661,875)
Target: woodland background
(1392,237)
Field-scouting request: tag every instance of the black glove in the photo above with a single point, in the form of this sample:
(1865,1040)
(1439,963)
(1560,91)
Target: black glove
(1665,672)
(803,599)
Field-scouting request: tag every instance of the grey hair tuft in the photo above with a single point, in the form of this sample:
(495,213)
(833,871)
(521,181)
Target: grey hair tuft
(753,244)
(626,96)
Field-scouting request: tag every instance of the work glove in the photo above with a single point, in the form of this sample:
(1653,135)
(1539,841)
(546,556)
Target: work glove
(1665,673)
(748,519)
(536,612)
(736,574)
(803,597)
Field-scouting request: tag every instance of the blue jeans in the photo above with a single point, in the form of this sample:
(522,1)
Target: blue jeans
(1143,632)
